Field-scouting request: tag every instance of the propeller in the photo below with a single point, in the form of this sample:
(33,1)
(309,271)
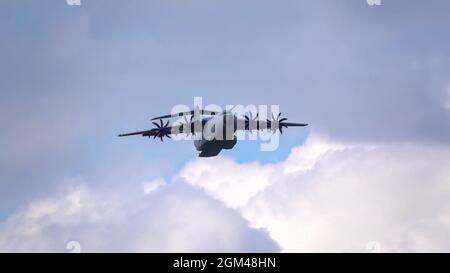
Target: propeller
(278,123)
(162,130)
(250,120)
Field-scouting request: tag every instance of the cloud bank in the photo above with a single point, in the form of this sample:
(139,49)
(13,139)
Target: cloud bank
(325,196)
(160,218)
(334,197)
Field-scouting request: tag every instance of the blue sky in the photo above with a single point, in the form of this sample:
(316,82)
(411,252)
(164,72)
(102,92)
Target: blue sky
(73,77)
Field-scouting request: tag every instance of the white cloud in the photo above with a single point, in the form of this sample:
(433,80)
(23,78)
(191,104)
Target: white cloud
(325,196)
(235,184)
(149,187)
(172,218)
(335,197)
(229,182)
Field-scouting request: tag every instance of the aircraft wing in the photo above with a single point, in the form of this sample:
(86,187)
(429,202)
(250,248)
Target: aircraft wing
(291,124)
(274,124)
(191,113)
(158,132)
(143,133)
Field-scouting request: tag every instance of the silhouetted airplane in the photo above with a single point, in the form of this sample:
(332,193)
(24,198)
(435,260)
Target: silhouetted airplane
(217,129)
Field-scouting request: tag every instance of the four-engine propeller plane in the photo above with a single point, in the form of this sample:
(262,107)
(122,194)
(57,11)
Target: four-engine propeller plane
(214,130)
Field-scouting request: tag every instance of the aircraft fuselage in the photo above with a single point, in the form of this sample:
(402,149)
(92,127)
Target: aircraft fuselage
(218,132)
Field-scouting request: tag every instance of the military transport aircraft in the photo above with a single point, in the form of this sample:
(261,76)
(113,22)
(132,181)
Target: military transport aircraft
(214,130)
